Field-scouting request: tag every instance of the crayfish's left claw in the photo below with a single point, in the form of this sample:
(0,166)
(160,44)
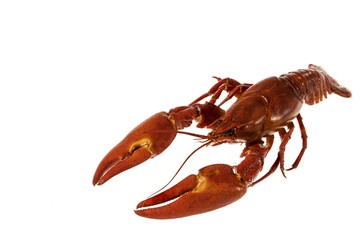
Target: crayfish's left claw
(214,187)
(145,141)
(152,137)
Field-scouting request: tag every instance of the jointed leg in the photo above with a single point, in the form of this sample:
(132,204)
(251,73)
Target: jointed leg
(233,87)
(285,137)
(266,149)
(304,143)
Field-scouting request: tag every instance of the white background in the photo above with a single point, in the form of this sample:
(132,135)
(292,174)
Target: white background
(77,76)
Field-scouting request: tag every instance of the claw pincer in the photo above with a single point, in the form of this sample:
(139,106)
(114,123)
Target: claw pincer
(152,137)
(214,187)
(145,141)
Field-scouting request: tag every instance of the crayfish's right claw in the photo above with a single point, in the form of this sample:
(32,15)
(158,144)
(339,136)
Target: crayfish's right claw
(145,141)
(214,187)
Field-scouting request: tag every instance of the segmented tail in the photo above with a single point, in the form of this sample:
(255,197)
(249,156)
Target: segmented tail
(312,84)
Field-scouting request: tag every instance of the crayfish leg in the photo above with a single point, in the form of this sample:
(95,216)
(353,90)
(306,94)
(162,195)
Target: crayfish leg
(304,143)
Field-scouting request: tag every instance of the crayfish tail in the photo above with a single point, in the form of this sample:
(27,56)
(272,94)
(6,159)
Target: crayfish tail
(313,84)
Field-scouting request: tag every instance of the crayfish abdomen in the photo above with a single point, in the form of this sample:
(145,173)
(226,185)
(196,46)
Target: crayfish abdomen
(260,111)
(311,85)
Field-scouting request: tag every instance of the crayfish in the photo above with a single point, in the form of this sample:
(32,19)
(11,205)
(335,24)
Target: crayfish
(260,110)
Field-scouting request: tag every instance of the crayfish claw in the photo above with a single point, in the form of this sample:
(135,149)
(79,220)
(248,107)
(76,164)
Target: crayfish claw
(214,187)
(145,141)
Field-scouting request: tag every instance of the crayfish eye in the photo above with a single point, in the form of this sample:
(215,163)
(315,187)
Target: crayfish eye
(229,133)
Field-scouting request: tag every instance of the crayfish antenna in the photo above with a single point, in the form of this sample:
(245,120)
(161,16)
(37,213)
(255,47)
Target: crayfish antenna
(200,136)
(187,158)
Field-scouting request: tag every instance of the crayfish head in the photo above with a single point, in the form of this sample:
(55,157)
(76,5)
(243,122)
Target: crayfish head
(242,133)
(228,136)
(242,122)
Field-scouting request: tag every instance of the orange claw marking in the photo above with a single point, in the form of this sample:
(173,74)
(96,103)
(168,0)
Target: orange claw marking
(214,187)
(147,140)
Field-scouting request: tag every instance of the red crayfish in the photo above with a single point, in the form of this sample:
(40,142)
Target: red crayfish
(260,110)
